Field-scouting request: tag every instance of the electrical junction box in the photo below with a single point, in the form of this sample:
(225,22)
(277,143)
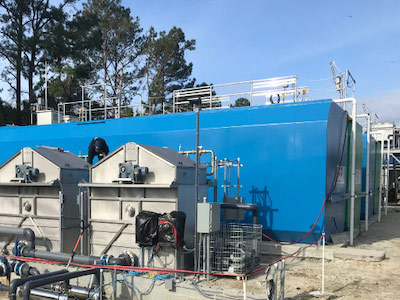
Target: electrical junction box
(208,217)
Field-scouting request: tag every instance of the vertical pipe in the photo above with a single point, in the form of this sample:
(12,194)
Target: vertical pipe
(83,100)
(208,257)
(238,180)
(353,169)
(105,101)
(45,79)
(244,279)
(251,92)
(368,175)
(210,96)
(323,264)
(173,102)
(380,183)
(215,179)
(387,176)
(282,281)
(368,179)
(197,173)
(61,221)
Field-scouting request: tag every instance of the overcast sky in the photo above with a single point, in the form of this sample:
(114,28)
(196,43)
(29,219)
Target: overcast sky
(245,40)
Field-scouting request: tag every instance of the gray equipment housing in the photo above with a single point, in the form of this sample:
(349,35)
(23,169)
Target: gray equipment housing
(47,202)
(113,203)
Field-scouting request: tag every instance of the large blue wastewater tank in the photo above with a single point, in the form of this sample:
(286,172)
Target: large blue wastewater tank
(291,153)
(372,164)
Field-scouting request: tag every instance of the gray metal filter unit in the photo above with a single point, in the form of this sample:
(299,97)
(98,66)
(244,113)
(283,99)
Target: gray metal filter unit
(38,190)
(137,178)
(234,248)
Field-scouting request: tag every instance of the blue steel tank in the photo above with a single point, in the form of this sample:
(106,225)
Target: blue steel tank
(372,164)
(292,153)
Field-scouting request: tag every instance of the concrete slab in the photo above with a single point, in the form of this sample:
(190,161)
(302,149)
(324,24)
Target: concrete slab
(359,254)
(270,248)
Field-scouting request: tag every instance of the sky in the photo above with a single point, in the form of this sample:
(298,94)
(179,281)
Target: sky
(255,39)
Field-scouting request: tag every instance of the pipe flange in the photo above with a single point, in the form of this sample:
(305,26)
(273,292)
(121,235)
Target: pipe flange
(133,257)
(18,267)
(4,264)
(108,259)
(103,259)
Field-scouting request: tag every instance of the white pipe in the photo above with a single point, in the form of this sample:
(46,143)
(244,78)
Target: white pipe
(323,264)
(244,288)
(368,175)
(387,176)
(380,183)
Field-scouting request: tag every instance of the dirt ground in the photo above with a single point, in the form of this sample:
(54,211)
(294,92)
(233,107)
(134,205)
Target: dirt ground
(349,279)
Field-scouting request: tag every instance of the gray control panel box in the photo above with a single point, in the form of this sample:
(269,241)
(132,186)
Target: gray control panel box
(208,217)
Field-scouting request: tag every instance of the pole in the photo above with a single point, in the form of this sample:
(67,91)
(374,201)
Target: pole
(353,169)
(387,176)
(368,175)
(244,279)
(196,106)
(323,264)
(45,79)
(380,183)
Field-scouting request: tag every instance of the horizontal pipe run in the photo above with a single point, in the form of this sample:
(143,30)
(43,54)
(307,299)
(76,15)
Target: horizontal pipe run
(33,284)
(27,233)
(20,281)
(44,294)
(29,250)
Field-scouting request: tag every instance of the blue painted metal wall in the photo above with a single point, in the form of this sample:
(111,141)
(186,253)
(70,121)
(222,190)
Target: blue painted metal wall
(290,153)
(372,165)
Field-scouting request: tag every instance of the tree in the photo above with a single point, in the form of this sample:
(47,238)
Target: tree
(165,68)
(40,18)
(11,48)
(242,102)
(121,44)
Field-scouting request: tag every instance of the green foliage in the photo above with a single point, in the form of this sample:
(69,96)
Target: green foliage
(242,102)
(100,43)
(165,68)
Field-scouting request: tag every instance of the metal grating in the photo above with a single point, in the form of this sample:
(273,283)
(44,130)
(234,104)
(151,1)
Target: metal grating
(234,249)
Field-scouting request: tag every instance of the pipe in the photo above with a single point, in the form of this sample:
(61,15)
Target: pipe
(74,291)
(27,233)
(35,283)
(29,250)
(202,152)
(40,294)
(122,260)
(20,281)
(387,172)
(252,207)
(380,181)
(368,175)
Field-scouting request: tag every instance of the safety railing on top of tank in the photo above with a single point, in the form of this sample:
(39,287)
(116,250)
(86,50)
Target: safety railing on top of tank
(244,93)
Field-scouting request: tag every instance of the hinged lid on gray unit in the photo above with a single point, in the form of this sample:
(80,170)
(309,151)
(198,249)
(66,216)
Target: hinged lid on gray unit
(42,165)
(143,164)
